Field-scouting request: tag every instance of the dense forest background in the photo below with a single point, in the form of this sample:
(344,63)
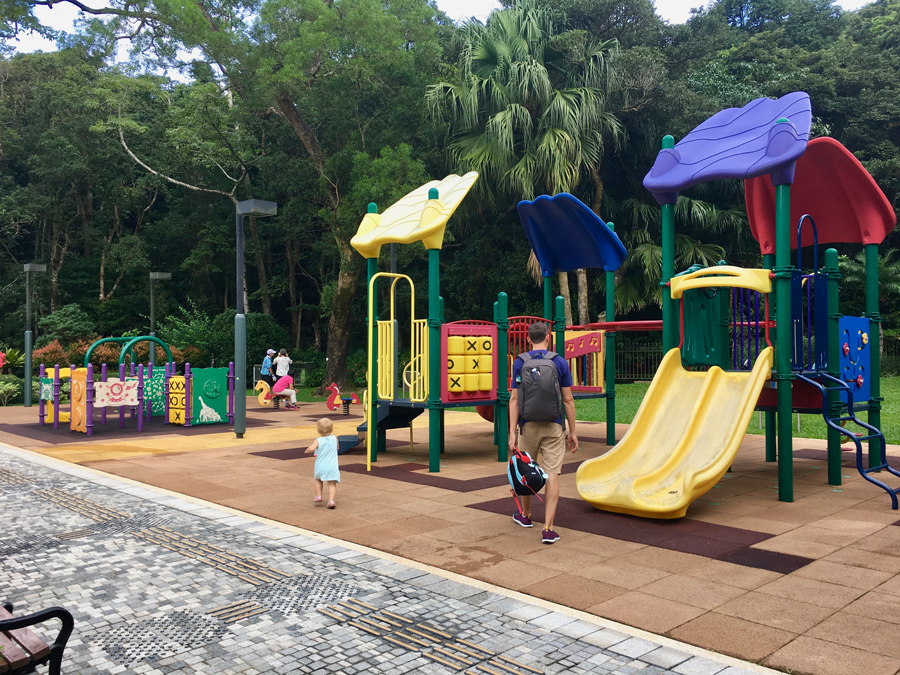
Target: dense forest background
(108,172)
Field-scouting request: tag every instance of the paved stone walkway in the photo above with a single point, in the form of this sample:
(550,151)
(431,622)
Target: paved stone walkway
(158,583)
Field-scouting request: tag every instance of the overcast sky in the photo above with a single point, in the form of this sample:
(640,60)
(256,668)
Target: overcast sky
(63,15)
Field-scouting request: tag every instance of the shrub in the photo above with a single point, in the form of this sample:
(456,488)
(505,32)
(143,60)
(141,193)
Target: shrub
(8,392)
(50,355)
(69,324)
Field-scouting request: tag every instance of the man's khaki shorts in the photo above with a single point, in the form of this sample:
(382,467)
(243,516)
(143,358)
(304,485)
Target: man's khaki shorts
(546,443)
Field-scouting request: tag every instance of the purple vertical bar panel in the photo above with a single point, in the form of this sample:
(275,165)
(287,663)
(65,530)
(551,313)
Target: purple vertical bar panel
(103,409)
(133,409)
(89,401)
(71,373)
(148,406)
(188,389)
(56,396)
(166,395)
(756,293)
(122,407)
(231,392)
(140,394)
(734,329)
(740,292)
(42,411)
(809,322)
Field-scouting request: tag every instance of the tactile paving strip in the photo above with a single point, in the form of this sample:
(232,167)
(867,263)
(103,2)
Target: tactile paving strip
(302,592)
(248,570)
(431,642)
(87,508)
(11,477)
(237,611)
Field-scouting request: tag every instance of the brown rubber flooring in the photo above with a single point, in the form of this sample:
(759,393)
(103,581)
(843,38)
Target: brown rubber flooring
(811,586)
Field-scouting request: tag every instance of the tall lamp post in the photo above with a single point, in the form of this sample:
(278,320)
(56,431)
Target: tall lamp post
(29,268)
(258,208)
(155,276)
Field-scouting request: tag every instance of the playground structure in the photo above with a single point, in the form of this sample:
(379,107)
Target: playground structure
(467,362)
(690,424)
(199,396)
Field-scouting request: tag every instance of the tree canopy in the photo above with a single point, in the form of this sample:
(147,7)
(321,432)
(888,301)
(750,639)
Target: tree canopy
(108,172)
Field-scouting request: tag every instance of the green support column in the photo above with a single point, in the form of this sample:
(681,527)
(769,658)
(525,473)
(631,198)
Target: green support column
(559,326)
(834,350)
(501,418)
(372,421)
(783,373)
(770,416)
(548,298)
(610,360)
(874,314)
(435,418)
(670,329)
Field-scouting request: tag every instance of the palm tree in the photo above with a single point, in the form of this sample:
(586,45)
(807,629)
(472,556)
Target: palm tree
(528,109)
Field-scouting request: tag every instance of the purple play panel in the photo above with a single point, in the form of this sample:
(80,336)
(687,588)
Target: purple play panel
(566,235)
(736,143)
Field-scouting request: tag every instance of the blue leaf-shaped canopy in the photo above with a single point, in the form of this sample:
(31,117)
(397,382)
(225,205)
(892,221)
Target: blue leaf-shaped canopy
(766,136)
(566,235)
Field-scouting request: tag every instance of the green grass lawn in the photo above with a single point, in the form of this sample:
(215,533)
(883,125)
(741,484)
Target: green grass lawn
(629,397)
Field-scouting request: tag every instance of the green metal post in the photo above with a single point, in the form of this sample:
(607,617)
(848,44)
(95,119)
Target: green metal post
(501,422)
(610,364)
(670,329)
(28,339)
(783,374)
(548,298)
(874,315)
(834,350)
(372,422)
(559,326)
(770,416)
(434,355)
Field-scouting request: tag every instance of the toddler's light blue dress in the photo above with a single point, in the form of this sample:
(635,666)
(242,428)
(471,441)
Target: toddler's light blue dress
(327,459)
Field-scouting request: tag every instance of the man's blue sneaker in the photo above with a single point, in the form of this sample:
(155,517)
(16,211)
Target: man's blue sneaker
(522,520)
(549,537)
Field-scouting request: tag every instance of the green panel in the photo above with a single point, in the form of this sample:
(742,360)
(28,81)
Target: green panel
(46,388)
(209,395)
(155,392)
(703,336)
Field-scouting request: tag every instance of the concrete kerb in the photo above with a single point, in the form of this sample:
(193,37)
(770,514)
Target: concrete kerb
(530,609)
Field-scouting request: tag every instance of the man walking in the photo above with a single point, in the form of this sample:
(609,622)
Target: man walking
(541,390)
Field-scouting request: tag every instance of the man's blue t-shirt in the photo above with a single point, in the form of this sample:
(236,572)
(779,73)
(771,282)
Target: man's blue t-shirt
(266,366)
(562,371)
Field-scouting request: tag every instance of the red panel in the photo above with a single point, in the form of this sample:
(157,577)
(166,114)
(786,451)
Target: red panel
(835,189)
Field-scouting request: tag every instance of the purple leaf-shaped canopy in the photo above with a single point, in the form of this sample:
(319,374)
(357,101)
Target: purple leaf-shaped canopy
(766,136)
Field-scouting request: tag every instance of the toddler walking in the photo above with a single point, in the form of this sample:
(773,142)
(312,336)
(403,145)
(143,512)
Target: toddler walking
(326,471)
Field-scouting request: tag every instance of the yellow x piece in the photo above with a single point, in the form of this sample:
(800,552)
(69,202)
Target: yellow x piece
(414,218)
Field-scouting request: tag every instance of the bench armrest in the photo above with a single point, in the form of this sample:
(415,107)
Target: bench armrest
(56,649)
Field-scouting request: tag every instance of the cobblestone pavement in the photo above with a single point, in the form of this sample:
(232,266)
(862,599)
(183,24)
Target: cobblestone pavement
(161,584)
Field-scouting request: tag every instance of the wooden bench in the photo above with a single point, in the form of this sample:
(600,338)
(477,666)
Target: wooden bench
(21,650)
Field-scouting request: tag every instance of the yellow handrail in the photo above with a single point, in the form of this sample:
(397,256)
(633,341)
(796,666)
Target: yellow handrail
(722,275)
(385,356)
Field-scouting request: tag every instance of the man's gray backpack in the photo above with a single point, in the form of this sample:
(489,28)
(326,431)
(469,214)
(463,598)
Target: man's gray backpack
(540,399)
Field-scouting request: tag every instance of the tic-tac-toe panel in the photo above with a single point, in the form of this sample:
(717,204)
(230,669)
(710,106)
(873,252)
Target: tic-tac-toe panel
(855,356)
(468,350)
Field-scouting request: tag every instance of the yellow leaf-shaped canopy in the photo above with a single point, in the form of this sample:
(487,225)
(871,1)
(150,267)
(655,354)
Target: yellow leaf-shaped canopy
(415,217)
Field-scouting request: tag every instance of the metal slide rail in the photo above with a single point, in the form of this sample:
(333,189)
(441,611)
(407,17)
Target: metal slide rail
(874,433)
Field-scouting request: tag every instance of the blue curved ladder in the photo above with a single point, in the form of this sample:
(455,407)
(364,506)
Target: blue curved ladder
(834,423)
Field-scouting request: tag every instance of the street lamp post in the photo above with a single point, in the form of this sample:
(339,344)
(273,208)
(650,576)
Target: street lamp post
(155,276)
(258,208)
(29,268)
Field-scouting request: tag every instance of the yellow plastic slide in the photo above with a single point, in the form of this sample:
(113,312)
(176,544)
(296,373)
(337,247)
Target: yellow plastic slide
(681,442)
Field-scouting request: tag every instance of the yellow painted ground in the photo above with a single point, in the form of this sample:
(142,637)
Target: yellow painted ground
(171,443)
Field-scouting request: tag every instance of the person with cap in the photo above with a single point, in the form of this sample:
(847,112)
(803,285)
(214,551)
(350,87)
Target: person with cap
(267,372)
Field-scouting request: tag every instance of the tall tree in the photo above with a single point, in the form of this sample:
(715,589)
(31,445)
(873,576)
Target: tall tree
(529,109)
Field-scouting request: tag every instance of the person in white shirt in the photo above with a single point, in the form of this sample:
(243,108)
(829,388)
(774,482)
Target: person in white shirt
(282,363)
